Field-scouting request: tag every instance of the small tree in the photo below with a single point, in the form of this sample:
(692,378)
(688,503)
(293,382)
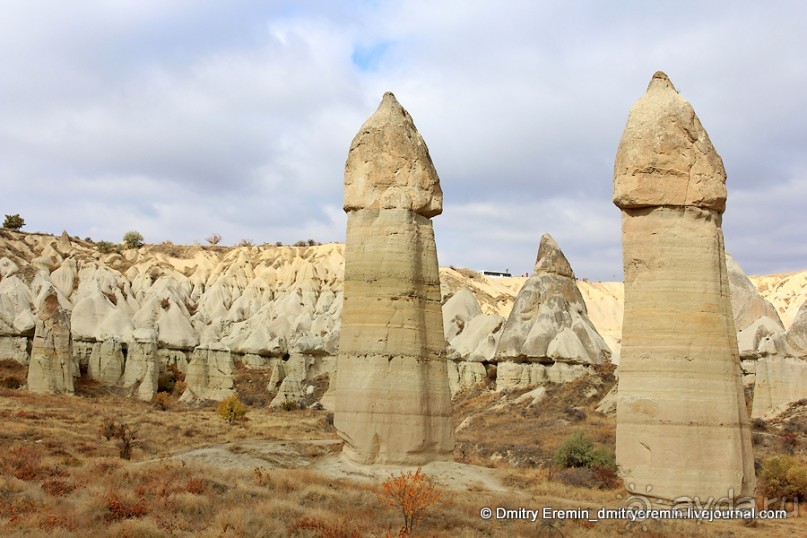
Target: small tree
(125,436)
(231,409)
(133,239)
(214,239)
(412,493)
(105,247)
(578,450)
(13,222)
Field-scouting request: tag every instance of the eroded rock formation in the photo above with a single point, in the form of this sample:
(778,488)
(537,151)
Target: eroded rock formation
(548,335)
(682,429)
(392,401)
(51,367)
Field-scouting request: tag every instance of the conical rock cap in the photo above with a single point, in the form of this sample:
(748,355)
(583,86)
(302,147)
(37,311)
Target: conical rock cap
(551,259)
(665,157)
(389,166)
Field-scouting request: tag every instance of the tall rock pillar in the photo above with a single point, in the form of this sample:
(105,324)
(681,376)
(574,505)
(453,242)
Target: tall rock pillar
(682,427)
(392,401)
(50,370)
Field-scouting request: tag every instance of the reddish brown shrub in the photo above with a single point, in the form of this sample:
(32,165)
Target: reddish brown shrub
(57,488)
(118,510)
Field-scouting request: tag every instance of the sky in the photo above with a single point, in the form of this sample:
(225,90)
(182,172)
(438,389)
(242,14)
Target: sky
(186,118)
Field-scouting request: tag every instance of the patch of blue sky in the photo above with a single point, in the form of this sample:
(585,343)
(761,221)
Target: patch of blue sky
(367,58)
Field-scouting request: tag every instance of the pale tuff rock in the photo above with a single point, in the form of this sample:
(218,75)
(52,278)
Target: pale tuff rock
(14,348)
(549,321)
(786,292)
(210,374)
(797,333)
(51,366)
(142,365)
(63,245)
(106,361)
(517,375)
(389,166)
(665,157)
(392,399)
(7,267)
(607,405)
(682,428)
(478,340)
(463,375)
(458,310)
(746,302)
(780,381)
(471,335)
(296,376)
(533,397)
(16,307)
(760,332)
(764,337)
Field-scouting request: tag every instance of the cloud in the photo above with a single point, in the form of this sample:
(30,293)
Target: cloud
(188,117)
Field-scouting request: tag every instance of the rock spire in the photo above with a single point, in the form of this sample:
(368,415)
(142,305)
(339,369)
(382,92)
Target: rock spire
(682,429)
(392,401)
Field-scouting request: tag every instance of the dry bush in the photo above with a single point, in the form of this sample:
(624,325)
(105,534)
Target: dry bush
(231,410)
(784,477)
(125,437)
(412,493)
(57,488)
(23,463)
(162,401)
(108,428)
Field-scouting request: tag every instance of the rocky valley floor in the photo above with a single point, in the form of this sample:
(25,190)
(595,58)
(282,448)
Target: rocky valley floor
(279,473)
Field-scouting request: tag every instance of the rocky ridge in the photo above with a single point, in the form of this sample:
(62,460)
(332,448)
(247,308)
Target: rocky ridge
(267,303)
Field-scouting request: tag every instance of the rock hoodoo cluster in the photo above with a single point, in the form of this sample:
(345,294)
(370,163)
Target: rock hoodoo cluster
(682,429)
(392,401)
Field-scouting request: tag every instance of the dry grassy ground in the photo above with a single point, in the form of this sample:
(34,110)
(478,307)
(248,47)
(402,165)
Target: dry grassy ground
(60,477)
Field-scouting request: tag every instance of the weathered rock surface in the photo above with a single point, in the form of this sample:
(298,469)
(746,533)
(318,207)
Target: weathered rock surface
(210,374)
(747,304)
(665,157)
(682,428)
(389,166)
(786,292)
(106,361)
(392,400)
(549,320)
(51,368)
(780,381)
(471,335)
(142,365)
(797,333)
(14,348)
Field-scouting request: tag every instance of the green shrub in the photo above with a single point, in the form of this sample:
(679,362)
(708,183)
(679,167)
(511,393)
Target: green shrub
(13,222)
(231,410)
(133,239)
(784,477)
(106,247)
(578,450)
